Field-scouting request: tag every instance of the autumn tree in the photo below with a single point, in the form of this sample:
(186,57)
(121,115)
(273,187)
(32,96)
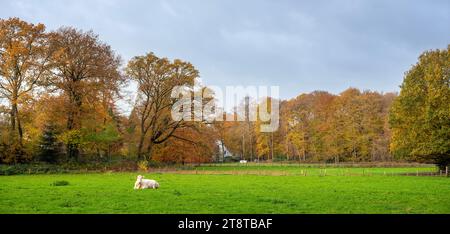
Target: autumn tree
(196,146)
(156,78)
(24,59)
(381,149)
(221,130)
(306,120)
(85,69)
(420,115)
(295,119)
(268,144)
(354,126)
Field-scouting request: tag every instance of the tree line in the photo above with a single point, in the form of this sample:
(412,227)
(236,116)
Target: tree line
(59,93)
(318,127)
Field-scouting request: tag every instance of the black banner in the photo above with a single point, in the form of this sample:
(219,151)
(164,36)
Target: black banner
(224,223)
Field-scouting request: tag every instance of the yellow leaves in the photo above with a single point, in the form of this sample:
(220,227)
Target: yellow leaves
(72,137)
(419,116)
(148,70)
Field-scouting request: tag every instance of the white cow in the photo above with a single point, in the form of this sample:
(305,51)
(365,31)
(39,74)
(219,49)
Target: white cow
(142,183)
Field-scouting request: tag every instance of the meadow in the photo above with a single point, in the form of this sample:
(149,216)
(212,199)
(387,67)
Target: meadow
(236,189)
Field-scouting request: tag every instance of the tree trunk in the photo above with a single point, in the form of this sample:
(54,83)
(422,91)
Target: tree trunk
(70,126)
(223,150)
(72,152)
(442,161)
(19,127)
(15,122)
(73,119)
(251,147)
(243,147)
(140,155)
(271,145)
(13,119)
(108,153)
(140,147)
(149,151)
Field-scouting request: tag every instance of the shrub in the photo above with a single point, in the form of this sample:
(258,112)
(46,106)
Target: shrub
(143,165)
(60,183)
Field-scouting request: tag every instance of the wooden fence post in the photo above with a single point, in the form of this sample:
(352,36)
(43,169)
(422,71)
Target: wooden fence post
(446,171)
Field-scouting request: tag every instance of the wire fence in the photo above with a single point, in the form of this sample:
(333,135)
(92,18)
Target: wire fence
(308,170)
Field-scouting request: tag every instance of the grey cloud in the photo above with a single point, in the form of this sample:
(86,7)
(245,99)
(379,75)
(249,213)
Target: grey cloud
(299,45)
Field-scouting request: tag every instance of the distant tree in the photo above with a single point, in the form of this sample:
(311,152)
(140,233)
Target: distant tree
(420,116)
(294,121)
(220,129)
(267,144)
(351,126)
(317,123)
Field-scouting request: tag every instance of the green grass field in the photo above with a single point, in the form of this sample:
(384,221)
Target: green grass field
(313,169)
(342,190)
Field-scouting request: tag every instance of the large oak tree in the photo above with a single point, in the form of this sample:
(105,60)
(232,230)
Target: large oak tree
(156,77)
(420,116)
(86,69)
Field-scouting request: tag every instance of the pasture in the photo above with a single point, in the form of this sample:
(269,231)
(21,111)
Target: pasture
(233,189)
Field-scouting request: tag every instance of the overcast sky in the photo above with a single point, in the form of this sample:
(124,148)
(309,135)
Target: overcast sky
(299,45)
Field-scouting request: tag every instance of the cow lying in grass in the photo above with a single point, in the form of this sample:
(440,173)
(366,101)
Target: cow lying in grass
(142,183)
